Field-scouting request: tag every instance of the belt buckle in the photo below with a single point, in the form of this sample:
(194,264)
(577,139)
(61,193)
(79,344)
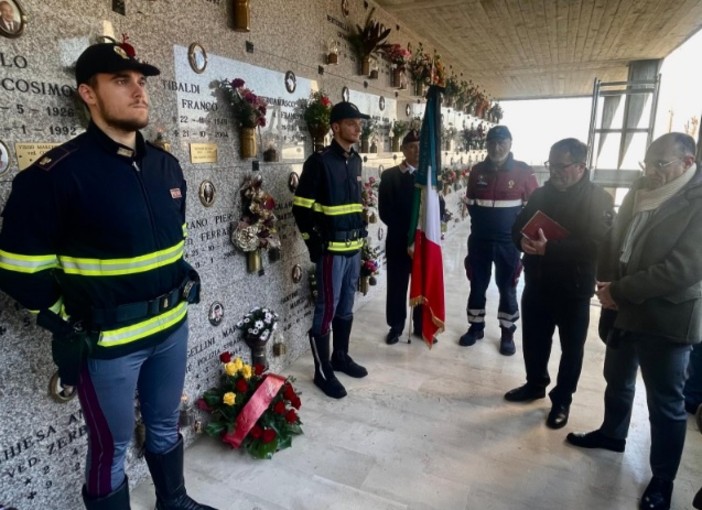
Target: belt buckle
(187,288)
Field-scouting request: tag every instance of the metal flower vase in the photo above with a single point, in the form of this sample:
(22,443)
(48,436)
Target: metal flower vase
(241,21)
(396,78)
(364,66)
(363,285)
(258,350)
(318,132)
(247,139)
(253,261)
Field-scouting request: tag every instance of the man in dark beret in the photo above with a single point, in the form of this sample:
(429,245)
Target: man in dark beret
(92,239)
(395,206)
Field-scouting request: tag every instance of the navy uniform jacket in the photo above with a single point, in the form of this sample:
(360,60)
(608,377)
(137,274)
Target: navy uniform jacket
(94,225)
(327,205)
(496,196)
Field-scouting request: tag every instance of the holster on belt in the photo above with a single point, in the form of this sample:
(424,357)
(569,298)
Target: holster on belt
(70,346)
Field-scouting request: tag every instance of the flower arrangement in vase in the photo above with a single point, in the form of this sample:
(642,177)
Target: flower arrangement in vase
(253,408)
(316,113)
(369,199)
(398,56)
(370,266)
(399,128)
(256,229)
(249,111)
(369,128)
(257,327)
(366,40)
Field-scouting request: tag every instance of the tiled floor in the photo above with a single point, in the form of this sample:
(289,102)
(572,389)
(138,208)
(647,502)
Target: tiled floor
(428,429)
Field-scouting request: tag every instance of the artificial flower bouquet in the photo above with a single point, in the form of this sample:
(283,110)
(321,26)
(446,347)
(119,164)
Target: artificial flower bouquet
(252,408)
(317,111)
(370,263)
(248,108)
(256,228)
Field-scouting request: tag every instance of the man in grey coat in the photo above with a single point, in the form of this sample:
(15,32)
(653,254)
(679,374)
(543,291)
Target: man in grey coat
(650,271)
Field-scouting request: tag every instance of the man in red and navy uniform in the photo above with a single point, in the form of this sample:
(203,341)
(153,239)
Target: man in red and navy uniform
(498,189)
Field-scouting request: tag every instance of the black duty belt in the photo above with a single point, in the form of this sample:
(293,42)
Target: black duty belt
(188,291)
(342,236)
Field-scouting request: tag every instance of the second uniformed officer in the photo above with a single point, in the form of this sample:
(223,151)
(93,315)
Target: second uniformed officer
(328,211)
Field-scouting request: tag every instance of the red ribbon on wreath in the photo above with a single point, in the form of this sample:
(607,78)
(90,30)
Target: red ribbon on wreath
(255,407)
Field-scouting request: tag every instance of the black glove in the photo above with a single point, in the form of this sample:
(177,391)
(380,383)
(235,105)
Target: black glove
(316,249)
(69,352)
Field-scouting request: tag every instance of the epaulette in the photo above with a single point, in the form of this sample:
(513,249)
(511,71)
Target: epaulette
(153,145)
(49,159)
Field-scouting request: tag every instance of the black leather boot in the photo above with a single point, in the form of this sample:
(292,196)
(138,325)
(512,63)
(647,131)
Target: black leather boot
(118,499)
(167,474)
(340,359)
(324,377)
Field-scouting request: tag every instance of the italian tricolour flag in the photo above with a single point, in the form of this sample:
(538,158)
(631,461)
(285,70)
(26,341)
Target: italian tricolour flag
(424,237)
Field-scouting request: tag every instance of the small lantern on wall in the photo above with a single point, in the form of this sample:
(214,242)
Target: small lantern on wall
(373,74)
(333,52)
(241,15)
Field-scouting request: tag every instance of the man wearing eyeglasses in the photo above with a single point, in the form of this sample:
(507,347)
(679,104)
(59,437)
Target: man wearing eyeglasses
(559,275)
(650,271)
(497,190)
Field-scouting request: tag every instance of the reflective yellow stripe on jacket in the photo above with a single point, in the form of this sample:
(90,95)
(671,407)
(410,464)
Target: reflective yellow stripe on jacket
(116,267)
(27,263)
(148,327)
(342,246)
(337,210)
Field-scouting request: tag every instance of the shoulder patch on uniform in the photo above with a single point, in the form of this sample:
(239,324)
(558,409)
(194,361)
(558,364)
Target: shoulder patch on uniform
(50,159)
(154,146)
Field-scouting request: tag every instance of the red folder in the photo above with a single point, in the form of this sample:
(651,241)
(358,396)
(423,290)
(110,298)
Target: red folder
(553,230)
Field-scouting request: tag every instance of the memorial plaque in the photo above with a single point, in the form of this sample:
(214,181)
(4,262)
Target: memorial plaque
(28,153)
(203,152)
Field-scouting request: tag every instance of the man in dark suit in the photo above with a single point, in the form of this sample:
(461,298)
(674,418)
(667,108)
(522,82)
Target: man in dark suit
(7,18)
(395,206)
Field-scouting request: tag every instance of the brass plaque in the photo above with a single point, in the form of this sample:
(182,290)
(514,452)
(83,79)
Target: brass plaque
(203,152)
(28,153)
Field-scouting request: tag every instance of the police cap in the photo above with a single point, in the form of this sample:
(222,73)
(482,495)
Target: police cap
(110,58)
(345,110)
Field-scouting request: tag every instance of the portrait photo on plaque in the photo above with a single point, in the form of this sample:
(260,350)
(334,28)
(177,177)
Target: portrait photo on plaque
(11,18)
(216,313)
(207,193)
(296,273)
(381,103)
(197,56)
(293,181)
(290,82)
(345,94)
(4,158)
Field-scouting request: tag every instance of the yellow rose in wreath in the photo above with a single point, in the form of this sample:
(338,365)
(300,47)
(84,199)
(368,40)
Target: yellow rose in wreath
(229,398)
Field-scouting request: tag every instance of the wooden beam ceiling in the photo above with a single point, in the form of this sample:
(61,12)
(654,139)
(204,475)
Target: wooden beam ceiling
(546,48)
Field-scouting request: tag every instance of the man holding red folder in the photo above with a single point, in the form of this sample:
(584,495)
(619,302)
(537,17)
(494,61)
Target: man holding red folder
(559,232)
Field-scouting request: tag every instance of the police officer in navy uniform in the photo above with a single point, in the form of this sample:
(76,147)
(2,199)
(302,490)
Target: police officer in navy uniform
(92,240)
(395,197)
(498,188)
(329,213)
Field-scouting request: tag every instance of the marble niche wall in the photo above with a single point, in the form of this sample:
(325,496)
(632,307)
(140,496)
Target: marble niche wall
(282,57)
